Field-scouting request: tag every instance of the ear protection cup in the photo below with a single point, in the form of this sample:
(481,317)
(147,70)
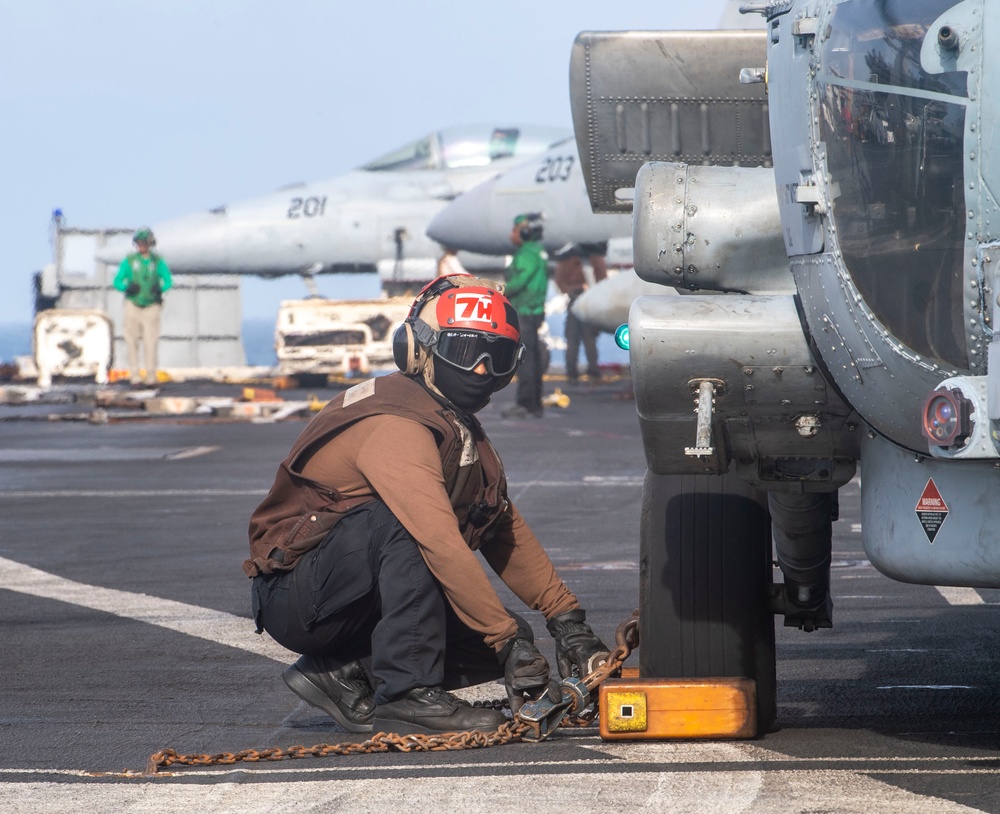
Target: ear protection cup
(405,347)
(525,233)
(405,350)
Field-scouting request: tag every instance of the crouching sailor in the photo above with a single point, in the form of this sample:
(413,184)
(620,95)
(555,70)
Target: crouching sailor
(363,553)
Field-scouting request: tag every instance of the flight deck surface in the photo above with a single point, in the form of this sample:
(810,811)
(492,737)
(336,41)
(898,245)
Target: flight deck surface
(126,630)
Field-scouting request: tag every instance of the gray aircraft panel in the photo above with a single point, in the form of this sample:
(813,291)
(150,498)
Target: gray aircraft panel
(664,96)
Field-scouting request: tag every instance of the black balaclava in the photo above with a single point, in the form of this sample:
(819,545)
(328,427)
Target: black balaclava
(466,390)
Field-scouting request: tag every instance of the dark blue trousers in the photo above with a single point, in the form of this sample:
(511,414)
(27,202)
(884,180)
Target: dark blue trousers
(529,374)
(366,594)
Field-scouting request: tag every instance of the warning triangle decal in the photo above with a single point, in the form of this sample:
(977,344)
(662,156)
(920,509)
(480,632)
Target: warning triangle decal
(931,510)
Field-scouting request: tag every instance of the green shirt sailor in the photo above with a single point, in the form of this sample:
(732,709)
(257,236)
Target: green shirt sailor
(143,276)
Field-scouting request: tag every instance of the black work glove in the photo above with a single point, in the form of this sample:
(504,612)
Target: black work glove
(525,672)
(157,292)
(576,644)
(132,290)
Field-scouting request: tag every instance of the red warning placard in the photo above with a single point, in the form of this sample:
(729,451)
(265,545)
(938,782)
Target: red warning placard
(931,510)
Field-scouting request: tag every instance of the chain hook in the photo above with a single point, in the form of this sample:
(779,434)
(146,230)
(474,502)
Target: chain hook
(534,722)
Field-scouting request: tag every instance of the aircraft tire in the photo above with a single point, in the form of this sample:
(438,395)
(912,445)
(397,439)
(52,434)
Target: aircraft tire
(704,575)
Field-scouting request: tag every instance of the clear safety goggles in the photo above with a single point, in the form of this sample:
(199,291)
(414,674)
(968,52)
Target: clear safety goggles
(466,349)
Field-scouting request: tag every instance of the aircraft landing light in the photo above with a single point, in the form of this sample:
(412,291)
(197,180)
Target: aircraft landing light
(946,418)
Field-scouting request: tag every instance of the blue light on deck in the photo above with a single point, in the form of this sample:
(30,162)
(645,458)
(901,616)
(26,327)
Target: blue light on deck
(621,337)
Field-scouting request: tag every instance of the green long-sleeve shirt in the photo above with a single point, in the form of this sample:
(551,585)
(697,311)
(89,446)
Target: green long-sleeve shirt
(150,274)
(528,279)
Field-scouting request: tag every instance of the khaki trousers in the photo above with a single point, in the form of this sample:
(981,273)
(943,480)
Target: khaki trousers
(142,325)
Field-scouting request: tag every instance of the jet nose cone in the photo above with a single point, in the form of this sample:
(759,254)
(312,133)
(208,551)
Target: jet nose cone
(190,244)
(467,223)
(195,244)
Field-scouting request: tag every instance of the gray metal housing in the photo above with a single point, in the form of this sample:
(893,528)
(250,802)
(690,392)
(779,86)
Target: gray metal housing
(775,417)
(709,228)
(641,96)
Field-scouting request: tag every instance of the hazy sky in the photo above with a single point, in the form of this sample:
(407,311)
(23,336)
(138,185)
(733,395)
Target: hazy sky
(125,112)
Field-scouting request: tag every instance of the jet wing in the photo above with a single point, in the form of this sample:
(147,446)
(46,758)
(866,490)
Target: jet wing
(641,96)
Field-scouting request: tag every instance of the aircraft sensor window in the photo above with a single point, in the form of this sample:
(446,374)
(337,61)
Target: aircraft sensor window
(894,142)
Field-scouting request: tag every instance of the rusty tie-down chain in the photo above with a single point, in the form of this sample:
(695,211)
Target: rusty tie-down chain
(571,712)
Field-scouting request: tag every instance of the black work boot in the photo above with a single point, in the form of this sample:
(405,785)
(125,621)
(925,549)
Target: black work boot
(344,693)
(431,710)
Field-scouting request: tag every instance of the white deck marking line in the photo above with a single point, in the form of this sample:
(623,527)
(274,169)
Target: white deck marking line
(876,764)
(191,620)
(115,493)
(708,790)
(102,454)
(190,452)
(926,687)
(960,596)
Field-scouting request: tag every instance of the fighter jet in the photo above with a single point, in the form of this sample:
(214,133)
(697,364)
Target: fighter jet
(373,219)
(879,118)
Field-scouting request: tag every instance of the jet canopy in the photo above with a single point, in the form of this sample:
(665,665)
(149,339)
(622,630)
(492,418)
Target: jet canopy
(467,146)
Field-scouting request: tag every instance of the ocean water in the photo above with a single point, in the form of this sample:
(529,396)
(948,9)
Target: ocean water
(15,340)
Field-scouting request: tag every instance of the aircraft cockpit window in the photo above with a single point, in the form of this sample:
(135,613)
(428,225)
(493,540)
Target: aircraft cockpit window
(462,148)
(894,142)
(503,144)
(419,155)
(480,146)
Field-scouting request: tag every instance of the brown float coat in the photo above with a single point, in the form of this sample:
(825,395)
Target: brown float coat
(389,439)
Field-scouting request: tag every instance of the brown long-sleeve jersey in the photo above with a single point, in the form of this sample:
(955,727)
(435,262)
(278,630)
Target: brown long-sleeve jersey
(396,460)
